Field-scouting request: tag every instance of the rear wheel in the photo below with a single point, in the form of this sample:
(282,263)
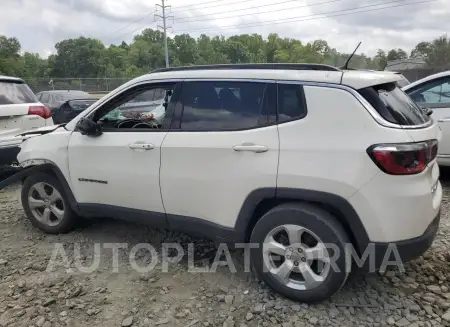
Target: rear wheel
(46,205)
(301,252)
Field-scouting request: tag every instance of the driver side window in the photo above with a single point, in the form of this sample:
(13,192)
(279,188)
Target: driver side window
(433,94)
(142,107)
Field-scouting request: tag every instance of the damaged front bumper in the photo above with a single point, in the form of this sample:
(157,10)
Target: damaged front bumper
(20,175)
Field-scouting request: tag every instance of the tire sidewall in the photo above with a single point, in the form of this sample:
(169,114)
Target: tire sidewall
(321,223)
(68,220)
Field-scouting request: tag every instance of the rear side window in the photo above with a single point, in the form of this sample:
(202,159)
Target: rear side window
(394,105)
(291,102)
(222,105)
(16,93)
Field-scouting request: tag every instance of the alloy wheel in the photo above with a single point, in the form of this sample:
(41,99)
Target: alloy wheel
(296,257)
(46,204)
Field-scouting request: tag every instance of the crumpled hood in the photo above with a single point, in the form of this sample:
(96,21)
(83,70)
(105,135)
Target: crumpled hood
(41,130)
(19,138)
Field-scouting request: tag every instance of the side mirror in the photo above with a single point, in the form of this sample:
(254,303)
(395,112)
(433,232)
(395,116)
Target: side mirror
(88,127)
(427,111)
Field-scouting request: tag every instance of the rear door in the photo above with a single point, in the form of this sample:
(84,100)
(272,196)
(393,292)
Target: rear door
(223,144)
(435,95)
(15,99)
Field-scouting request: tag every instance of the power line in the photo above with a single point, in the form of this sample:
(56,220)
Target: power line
(133,31)
(199,4)
(223,4)
(294,19)
(134,22)
(282,9)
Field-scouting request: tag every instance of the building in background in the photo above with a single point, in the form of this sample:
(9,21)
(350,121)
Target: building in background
(412,68)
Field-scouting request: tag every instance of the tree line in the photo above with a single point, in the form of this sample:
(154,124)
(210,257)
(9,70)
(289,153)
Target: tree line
(87,57)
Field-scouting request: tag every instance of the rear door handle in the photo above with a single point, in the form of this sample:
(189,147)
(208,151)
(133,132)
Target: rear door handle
(141,146)
(444,120)
(251,148)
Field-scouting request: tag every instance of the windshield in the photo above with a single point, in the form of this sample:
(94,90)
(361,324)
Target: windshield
(394,105)
(70,96)
(81,104)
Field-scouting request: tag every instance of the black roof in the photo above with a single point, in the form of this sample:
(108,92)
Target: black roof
(11,79)
(282,66)
(64,91)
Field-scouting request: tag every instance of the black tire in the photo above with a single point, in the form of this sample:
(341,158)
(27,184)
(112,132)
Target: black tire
(69,219)
(322,224)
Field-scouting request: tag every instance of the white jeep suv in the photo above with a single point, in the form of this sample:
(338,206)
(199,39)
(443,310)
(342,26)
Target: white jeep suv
(301,160)
(20,111)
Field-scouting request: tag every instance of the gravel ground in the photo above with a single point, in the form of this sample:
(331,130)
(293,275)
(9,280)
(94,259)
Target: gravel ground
(31,295)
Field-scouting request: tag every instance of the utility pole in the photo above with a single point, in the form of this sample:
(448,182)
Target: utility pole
(164,28)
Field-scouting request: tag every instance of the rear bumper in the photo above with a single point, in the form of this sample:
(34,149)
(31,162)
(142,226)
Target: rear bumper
(398,253)
(8,155)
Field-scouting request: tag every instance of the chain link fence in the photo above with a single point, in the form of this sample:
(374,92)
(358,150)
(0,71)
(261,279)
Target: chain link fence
(105,85)
(90,85)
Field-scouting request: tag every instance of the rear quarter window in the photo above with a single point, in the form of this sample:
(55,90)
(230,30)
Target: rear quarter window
(291,102)
(394,105)
(16,93)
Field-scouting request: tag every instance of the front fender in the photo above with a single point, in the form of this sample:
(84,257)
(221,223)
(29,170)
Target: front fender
(43,166)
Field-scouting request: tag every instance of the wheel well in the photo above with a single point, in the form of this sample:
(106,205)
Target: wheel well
(265,205)
(44,169)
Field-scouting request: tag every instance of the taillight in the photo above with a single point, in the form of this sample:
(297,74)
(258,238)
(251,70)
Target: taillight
(41,111)
(404,158)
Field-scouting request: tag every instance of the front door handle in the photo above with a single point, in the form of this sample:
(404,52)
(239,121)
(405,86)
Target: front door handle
(444,120)
(141,146)
(251,147)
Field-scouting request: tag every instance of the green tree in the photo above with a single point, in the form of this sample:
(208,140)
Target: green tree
(396,54)
(11,62)
(81,57)
(436,53)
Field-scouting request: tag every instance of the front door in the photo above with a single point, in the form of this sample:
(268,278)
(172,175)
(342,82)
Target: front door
(119,169)
(435,95)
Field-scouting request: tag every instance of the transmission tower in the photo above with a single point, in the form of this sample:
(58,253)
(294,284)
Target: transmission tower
(164,27)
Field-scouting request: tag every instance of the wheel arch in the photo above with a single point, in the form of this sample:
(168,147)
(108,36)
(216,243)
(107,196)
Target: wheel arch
(44,166)
(262,200)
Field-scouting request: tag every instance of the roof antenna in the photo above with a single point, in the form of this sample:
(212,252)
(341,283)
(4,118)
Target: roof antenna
(349,58)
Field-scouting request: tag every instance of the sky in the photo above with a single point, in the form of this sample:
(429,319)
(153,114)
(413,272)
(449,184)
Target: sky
(385,24)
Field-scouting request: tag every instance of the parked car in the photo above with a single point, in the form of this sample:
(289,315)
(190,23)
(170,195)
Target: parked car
(20,110)
(54,99)
(433,92)
(70,109)
(301,160)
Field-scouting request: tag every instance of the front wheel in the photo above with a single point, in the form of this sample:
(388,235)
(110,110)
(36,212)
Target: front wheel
(301,252)
(46,205)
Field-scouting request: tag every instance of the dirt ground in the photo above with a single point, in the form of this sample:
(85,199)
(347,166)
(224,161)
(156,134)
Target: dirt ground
(31,295)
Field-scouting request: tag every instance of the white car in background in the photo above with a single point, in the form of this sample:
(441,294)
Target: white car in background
(433,92)
(20,111)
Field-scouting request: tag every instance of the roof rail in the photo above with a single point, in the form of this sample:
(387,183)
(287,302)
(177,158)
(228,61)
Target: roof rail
(285,66)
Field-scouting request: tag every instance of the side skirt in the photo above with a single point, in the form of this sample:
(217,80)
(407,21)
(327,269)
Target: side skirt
(92,210)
